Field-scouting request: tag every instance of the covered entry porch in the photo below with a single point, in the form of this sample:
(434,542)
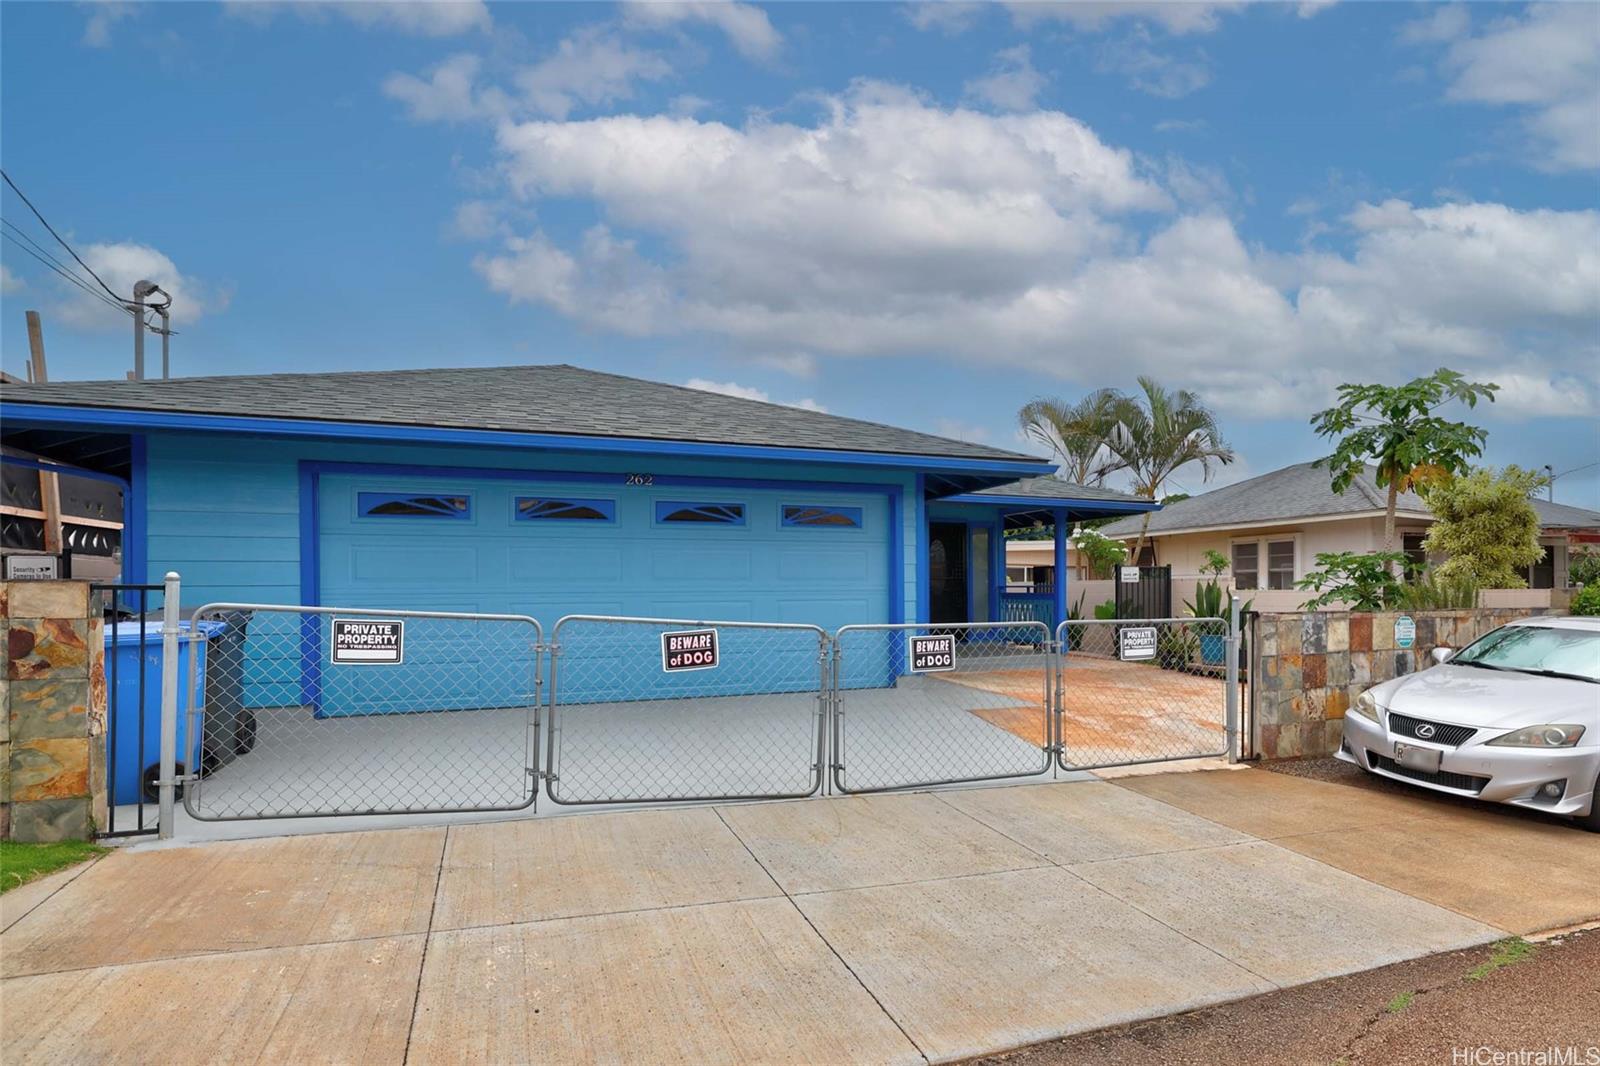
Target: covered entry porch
(962,577)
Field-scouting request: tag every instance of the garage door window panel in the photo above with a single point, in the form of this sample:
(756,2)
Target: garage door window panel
(456,506)
(819,516)
(554,509)
(672,512)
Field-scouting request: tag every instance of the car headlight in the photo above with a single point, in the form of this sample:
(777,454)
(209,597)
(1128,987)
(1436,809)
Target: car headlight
(1366,705)
(1541,736)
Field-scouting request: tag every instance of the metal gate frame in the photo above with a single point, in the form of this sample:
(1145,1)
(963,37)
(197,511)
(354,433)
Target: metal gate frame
(193,779)
(1230,690)
(838,765)
(552,775)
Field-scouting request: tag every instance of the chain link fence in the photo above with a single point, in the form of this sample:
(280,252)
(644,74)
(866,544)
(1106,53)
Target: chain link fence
(1133,691)
(919,705)
(651,709)
(304,711)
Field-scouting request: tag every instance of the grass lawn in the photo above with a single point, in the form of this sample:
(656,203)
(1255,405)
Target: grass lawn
(21,863)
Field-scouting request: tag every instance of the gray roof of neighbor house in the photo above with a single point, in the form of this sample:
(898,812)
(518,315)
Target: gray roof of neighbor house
(1300,492)
(557,399)
(1046,489)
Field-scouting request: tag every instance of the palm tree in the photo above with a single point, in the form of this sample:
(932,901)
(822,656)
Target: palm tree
(1154,435)
(1076,433)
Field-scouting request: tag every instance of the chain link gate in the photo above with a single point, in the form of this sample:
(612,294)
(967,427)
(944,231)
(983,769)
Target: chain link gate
(663,710)
(917,705)
(1133,691)
(301,711)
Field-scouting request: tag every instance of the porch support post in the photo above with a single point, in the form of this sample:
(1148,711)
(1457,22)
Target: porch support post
(1062,529)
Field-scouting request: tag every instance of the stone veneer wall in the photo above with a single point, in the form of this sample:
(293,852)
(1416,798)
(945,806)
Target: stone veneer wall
(1314,664)
(52,712)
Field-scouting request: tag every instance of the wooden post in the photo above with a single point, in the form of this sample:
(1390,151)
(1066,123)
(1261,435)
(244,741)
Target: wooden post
(49,484)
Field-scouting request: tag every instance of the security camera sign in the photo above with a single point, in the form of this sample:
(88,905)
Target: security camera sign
(689,649)
(931,654)
(369,641)
(1137,643)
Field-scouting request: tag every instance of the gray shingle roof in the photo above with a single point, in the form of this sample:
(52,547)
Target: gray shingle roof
(525,399)
(1045,489)
(1299,492)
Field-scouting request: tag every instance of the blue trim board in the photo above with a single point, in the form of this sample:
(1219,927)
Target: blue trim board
(112,417)
(1063,528)
(136,527)
(920,506)
(1030,504)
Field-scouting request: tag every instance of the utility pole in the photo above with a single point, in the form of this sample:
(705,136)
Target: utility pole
(1550,485)
(49,484)
(141,289)
(166,338)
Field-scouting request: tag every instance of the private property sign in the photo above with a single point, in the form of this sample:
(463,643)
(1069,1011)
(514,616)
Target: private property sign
(689,649)
(1137,643)
(369,641)
(931,654)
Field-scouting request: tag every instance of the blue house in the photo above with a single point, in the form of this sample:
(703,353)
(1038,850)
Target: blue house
(548,490)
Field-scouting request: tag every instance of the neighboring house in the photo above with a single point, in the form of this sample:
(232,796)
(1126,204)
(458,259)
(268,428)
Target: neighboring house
(1271,529)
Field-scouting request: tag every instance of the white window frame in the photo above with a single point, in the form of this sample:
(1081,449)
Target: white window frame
(1263,568)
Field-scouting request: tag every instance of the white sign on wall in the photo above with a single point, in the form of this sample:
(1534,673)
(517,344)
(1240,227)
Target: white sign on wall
(1130,575)
(33,567)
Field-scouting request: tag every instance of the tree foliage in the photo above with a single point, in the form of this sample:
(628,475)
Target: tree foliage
(1099,553)
(1365,582)
(1486,526)
(1075,433)
(1156,433)
(1399,429)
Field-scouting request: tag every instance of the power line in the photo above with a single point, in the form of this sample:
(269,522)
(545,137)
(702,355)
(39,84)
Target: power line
(60,240)
(54,265)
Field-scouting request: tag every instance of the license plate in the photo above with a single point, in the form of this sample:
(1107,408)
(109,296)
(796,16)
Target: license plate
(1425,759)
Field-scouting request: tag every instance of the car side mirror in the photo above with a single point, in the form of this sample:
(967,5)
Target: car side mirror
(1442,655)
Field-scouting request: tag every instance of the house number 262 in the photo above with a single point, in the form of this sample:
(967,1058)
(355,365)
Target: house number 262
(642,480)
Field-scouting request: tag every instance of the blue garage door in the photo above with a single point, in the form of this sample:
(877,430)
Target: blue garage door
(553,548)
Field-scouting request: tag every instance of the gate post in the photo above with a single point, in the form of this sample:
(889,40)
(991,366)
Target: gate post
(169,703)
(1232,726)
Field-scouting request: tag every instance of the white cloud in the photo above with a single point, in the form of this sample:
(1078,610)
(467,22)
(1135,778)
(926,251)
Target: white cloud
(1012,85)
(123,263)
(745,25)
(593,67)
(746,392)
(448,94)
(950,17)
(1174,17)
(1544,62)
(1149,70)
(418,18)
(104,14)
(9,282)
(893,227)
(956,429)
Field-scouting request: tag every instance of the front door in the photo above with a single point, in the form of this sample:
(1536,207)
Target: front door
(947,572)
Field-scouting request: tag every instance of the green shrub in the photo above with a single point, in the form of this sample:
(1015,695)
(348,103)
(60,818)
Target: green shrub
(1587,602)
(1431,592)
(1106,611)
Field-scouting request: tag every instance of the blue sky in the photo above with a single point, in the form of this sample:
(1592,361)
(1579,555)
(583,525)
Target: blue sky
(921,215)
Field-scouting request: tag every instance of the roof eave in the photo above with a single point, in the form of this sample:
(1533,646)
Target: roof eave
(13,412)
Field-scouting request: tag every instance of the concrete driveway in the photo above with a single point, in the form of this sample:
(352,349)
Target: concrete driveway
(893,928)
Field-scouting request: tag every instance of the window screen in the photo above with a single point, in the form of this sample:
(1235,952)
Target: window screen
(1247,565)
(1280,564)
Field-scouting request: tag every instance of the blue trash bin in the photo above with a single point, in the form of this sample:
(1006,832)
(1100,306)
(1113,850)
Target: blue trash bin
(130,770)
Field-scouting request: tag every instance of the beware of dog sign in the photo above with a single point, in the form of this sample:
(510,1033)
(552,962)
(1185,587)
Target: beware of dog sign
(689,649)
(932,654)
(369,641)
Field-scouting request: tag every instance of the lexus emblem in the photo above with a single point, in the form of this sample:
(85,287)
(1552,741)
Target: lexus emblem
(1425,731)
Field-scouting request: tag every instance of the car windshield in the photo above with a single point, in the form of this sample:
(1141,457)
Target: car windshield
(1537,650)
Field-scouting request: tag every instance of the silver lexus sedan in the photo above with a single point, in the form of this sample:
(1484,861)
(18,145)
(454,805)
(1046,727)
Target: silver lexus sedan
(1512,718)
